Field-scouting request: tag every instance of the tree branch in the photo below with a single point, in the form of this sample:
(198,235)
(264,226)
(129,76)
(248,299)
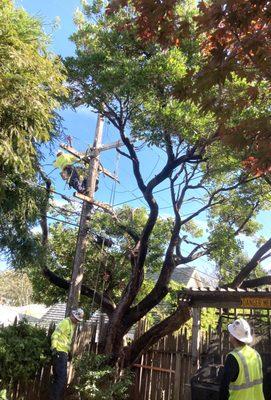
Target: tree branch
(238,280)
(246,219)
(161,287)
(149,338)
(106,303)
(253,283)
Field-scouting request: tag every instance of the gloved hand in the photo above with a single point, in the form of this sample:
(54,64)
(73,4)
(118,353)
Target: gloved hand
(54,352)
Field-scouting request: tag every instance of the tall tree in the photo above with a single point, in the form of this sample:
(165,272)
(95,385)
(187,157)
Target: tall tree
(31,81)
(235,42)
(133,84)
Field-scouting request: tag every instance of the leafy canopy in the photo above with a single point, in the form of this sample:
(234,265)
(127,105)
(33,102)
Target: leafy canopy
(31,83)
(32,86)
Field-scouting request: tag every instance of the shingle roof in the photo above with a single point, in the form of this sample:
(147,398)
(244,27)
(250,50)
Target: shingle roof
(182,274)
(57,312)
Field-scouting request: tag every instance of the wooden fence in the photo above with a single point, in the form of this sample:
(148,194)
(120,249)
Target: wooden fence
(165,370)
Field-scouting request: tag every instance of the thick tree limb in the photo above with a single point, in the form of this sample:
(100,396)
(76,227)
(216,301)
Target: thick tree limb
(161,287)
(253,283)
(107,304)
(138,256)
(149,338)
(238,280)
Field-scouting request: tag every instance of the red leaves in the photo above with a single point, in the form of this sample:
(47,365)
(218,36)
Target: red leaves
(156,20)
(237,40)
(115,5)
(242,26)
(253,138)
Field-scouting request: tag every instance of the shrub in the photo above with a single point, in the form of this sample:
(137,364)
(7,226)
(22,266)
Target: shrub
(97,381)
(23,351)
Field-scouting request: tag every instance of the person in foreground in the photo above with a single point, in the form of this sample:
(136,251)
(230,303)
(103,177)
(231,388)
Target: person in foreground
(61,341)
(242,376)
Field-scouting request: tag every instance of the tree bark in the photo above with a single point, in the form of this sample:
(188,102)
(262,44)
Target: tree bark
(149,338)
(106,303)
(253,283)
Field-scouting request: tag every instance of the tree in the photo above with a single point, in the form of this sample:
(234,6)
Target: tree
(238,40)
(134,85)
(107,262)
(31,82)
(235,42)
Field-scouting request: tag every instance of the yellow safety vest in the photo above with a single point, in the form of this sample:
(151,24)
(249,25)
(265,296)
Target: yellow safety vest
(61,338)
(249,383)
(63,160)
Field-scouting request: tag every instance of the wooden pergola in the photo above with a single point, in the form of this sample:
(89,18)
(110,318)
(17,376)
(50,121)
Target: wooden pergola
(222,299)
(227,298)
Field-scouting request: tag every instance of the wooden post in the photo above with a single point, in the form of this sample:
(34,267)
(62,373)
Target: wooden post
(82,238)
(177,376)
(196,337)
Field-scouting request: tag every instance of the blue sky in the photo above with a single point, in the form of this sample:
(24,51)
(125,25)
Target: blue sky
(81,126)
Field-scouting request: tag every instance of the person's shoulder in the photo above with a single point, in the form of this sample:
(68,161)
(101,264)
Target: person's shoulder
(64,322)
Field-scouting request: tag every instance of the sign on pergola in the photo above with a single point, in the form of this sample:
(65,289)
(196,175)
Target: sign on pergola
(226,298)
(220,298)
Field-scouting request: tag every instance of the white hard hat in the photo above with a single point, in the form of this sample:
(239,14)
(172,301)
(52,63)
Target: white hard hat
(240,329)
(78,314)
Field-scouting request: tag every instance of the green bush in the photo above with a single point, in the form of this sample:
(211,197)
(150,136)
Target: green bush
(23,351)
(97,381)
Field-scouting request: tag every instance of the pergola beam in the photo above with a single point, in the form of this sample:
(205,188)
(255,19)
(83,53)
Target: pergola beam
(227,298)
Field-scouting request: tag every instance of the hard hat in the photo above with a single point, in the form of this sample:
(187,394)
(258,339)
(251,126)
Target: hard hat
(240,329)
(78,314)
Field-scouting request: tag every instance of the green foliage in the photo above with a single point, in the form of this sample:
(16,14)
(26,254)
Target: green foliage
(236,214)
(32,86)
(23,350)
(98,381)
(208,319)
(117,68)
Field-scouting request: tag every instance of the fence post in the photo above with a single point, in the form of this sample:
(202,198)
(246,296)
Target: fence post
(177,377)
(196,337)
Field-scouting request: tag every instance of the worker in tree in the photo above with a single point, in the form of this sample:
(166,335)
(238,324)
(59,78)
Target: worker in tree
(61,341)
(65,162)
(242,376)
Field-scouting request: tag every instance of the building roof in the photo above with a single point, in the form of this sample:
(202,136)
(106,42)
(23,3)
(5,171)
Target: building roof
(183,274)
(54,314)
(57,312)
